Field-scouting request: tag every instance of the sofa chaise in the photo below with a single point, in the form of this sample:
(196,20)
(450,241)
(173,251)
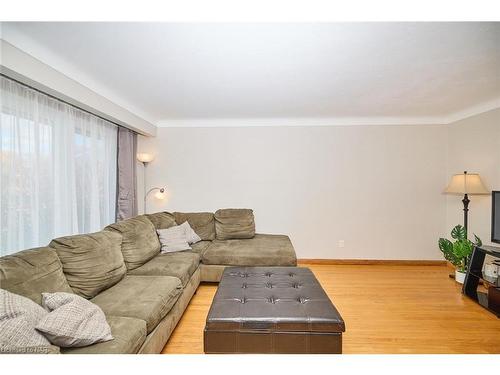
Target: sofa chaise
(142,292)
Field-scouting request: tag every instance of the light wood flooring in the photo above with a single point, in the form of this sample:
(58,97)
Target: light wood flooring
(386,308)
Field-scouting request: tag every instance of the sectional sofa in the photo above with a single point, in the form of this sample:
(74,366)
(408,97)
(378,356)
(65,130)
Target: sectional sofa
(142,292)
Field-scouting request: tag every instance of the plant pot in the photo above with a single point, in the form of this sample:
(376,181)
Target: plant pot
(459,276)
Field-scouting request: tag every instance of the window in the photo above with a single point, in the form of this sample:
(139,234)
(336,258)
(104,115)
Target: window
(58,169)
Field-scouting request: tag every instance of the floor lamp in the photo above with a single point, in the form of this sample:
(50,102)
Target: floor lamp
(466,184)
(145,159)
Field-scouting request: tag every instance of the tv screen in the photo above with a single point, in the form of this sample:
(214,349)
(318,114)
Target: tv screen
(495,217)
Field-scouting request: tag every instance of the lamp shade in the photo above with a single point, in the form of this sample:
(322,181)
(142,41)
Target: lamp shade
(145,157)
(466,183)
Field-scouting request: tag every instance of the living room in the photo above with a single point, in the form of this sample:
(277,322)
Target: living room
(250,187)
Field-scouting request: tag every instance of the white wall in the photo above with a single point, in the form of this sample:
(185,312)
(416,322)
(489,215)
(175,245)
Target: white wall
(474,145)
(25,68)
(378,188)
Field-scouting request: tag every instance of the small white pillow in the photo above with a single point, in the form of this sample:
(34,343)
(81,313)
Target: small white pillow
(73,321)
(191,235)
(18,319)
(173,239)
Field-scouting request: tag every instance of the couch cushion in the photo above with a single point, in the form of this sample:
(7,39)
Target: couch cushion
(234,223)
(149,298)
(140,242)
(29,273)
(162,220)
(200,247)
(262,250)
(91,262)
(181,265)
(129,335)
(201,222)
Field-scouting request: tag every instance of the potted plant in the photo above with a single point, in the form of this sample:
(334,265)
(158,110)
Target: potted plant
(459,251)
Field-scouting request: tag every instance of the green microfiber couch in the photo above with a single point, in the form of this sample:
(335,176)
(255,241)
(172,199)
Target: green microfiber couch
(142,292)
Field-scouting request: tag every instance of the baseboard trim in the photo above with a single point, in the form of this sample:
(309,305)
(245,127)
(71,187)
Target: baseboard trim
(392,262)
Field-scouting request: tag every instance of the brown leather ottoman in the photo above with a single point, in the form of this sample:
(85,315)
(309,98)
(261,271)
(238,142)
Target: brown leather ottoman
(272,310)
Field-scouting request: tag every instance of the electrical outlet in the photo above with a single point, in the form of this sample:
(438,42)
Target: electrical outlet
(341,243)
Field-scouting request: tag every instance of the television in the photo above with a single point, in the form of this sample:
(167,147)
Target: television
(495,216)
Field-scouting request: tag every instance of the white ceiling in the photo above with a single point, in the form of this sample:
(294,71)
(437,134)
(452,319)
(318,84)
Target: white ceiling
(182,74)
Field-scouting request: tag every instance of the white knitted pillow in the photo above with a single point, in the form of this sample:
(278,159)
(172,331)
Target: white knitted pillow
(73,321)
(191,235)
(173,239)
(18,318)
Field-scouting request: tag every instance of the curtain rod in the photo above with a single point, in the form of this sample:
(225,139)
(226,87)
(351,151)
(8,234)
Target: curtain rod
(64,101)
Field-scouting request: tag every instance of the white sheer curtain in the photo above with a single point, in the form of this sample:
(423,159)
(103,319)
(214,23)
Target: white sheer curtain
(58,169)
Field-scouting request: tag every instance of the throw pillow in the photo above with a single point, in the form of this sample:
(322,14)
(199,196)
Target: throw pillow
(173,239)
(73,321)
(18,319)
(191,235)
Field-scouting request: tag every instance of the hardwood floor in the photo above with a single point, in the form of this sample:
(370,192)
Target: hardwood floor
(387,309)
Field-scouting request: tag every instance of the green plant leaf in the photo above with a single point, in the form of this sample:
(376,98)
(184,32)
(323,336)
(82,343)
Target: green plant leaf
(462,249)
(458,252)
(446,248)
(459,233)
(477,240)
(445,245)
(458,249)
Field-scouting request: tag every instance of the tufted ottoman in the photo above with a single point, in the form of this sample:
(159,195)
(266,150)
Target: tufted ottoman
(272,310)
